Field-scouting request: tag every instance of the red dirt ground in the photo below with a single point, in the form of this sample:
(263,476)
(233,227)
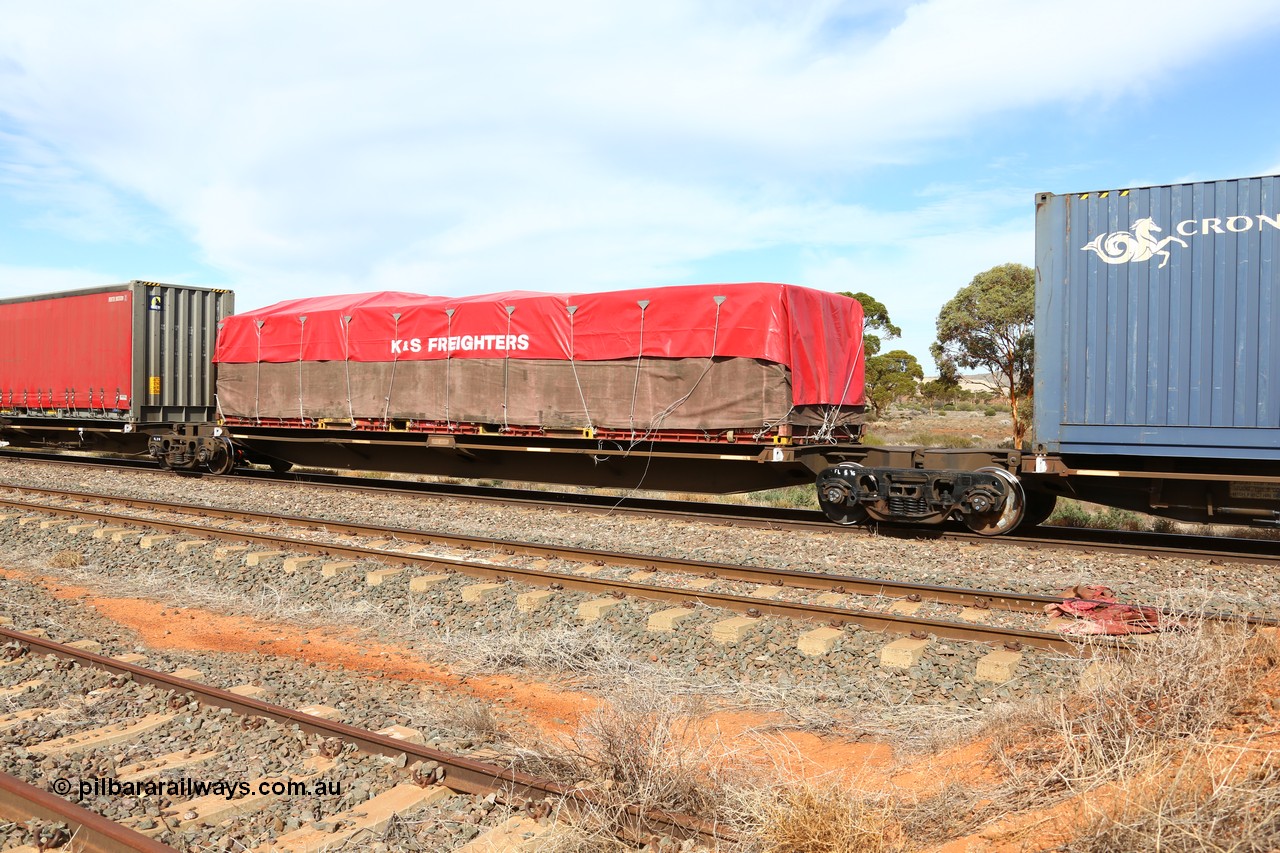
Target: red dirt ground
(552,711)
(549,710)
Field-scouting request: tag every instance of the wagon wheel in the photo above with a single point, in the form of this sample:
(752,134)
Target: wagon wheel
(222,458)
(1008,516)
(1040,505)
(837,499)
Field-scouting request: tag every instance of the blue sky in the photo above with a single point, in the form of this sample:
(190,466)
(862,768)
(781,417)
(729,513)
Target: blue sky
(295,148)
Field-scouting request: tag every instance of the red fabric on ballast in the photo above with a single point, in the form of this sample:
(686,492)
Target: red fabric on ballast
(818,335)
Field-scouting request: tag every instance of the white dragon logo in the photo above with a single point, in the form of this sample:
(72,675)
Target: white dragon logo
(1123,247)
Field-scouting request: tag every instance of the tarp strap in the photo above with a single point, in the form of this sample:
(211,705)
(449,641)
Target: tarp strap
(346,355)
(302,338)
(831,418)
(395,359)
(506,367)
(715,337)
(573,365)
(448,367)
(257,379)
(635,388)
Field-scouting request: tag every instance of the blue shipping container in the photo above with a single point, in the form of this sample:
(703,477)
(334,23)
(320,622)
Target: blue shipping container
(1158,321)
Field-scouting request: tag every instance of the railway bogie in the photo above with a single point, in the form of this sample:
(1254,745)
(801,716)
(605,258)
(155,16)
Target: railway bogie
(918,485)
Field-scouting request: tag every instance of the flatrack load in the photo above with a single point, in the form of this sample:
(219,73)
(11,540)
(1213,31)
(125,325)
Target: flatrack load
(697,363)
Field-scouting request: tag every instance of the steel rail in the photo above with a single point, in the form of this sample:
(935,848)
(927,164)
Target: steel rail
(765,576)
(872,620)
(461,773)
(742,515)
(1180,546)
(91,832)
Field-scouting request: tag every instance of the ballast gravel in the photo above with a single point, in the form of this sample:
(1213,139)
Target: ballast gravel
(495,635)
(763,669)
(232,751)
(994,566)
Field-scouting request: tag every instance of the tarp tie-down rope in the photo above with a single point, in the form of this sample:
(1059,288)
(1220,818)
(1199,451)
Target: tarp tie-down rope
(635,388)
(395,358)
(657,422)
(573,365)
(257,379)
(506,369)
(831,417)
(715,337)
(302,338)
(448,370)
(346,346)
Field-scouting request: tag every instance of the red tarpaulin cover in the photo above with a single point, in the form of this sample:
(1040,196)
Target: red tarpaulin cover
(818,335)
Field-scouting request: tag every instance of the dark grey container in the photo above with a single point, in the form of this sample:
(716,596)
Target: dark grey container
(1158,321)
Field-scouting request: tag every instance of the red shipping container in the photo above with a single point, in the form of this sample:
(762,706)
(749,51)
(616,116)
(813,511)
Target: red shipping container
(67,352)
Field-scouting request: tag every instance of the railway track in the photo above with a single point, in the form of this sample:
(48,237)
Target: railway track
(93,833)
(428,774)
(1135,543)
(833,600)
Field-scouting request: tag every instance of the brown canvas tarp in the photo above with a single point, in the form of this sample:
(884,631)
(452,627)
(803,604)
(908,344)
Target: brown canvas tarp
(708,394)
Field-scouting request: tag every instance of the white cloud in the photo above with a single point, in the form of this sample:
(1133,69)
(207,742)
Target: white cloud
(313,147)
(67,200)
(23,280)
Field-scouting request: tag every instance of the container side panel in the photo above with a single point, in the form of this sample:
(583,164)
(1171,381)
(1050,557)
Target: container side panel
(1268,313)
(1177,377)
(1050,398)
(1248,294)
(1223,316)
(1157,313)
(66,353)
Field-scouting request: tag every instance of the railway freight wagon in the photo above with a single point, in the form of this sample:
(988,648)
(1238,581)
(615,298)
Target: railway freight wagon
(717,388)
(98,369)
(1157,383)
(1157,371)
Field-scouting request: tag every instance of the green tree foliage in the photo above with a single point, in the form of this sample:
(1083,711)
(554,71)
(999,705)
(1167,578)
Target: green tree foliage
(888,377)
(891,377)
(946,388)
(936,393)
(875,317)
(988,324)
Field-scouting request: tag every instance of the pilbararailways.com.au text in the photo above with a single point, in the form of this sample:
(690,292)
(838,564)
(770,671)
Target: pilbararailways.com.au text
(192,788)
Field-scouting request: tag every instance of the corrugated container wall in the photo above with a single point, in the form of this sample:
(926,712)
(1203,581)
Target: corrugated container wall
(1158,321)
(139,352)
(179,327)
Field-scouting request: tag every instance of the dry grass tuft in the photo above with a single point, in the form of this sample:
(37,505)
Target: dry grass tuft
(564,650)
(1136,712)
(641,752)
(473,716)
(66,560)
(826,818)
(956,809)
(831,817)
(1197,805)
